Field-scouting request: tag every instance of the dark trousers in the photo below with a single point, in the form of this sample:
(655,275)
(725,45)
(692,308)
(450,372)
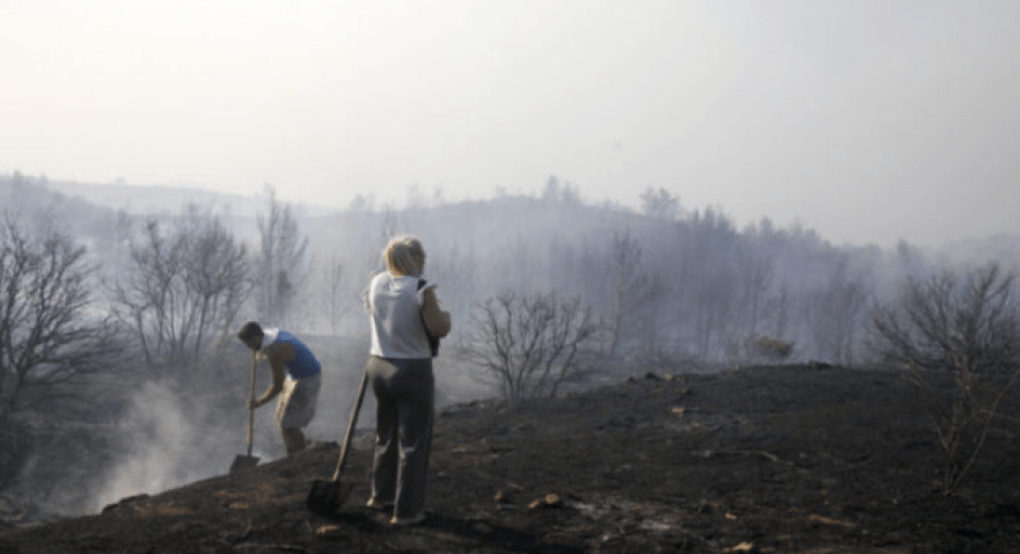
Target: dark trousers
(405,396)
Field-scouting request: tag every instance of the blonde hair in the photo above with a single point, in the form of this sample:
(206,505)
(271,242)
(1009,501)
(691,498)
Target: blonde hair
(404,256)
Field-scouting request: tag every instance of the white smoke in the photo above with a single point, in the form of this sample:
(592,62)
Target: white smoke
(171,434)
(170,440)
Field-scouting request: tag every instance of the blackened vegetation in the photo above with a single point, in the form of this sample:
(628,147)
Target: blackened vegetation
(51,344)
(763,459)
(182,289)
(530,345)
(959,330)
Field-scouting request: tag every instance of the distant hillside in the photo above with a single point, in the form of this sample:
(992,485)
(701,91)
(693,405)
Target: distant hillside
(158,199)
(145,200)
(1004,247)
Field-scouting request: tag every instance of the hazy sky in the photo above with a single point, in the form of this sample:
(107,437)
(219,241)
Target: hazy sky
(868,121)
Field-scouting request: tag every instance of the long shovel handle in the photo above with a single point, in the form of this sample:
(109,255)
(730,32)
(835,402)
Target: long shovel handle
(350,427)
(251,401)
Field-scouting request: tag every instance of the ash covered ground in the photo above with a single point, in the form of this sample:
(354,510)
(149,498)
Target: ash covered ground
(762,459)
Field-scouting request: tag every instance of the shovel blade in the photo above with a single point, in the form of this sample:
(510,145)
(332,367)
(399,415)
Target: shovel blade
(242,463)
(326,497)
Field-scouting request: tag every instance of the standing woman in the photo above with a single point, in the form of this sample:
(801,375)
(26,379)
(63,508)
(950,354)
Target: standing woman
(400,372)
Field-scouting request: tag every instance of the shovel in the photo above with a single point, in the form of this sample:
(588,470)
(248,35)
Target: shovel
(326,497)
(242,462)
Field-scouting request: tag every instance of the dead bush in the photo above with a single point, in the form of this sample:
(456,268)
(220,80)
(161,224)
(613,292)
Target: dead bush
(968,327)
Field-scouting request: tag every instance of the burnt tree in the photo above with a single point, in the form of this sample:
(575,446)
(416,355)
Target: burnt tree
(529,344)
(183,287)
(52,340)
(964,330)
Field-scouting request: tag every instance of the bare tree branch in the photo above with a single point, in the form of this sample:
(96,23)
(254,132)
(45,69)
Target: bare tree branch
(529,344)
(967,329)
(49,336)
(184,287)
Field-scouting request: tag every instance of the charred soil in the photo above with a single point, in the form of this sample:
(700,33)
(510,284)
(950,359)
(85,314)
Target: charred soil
(763,459)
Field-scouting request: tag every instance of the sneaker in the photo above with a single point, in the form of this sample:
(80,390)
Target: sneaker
(407,521)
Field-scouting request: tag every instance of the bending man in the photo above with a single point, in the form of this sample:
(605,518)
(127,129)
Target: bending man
(296,379)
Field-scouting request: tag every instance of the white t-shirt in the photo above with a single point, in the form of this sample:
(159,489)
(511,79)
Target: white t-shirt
(394,308)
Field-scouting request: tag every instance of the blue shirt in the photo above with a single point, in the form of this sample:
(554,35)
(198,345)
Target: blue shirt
(304,363)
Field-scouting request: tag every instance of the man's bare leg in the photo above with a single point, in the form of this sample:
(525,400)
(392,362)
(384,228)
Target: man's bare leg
(294,439)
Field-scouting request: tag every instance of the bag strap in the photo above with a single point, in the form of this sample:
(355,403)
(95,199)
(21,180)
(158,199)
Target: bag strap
(433,341)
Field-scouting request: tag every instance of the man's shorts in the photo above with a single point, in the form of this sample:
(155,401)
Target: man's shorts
(296,407)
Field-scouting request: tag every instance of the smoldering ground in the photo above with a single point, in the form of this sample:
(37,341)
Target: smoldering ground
(179,426)
(165,433)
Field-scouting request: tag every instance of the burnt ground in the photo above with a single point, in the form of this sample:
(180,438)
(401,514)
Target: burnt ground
(765,459)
